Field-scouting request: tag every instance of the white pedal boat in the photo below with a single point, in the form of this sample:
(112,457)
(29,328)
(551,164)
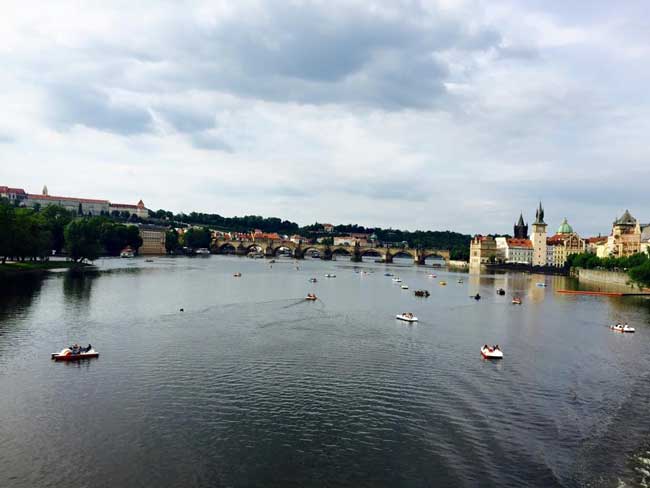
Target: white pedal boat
(397,280)
(406,317)
(66,354)
(622,328)
(491,353)
(404,287)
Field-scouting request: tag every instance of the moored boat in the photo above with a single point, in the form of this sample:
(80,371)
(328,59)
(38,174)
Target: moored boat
(493,352)
(311,297)
(622,328)
(406,317)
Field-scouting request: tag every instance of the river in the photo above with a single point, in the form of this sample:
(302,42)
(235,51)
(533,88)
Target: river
(251,385)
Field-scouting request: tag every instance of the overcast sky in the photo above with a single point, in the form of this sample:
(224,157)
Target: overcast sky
(412,114)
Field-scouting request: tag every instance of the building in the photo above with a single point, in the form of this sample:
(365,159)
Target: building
(645,238)
(564,243)
(514,250)
(520,229)
(153,239)
(80,206)
(482,250)
(539,238)
(625,238)
(138,210)
(329,228)
(13,194)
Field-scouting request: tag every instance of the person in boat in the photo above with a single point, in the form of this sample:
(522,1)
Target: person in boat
(89,348)
(477,297)
(496,348)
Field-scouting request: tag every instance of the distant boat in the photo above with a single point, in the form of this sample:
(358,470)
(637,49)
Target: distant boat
(397,279)
(405,287)
(329,275)
(622,328)
(541,285)
(491,352)
(127,253)
(202,250)
(516,301)
(443,283)
(406,317)
(237,275)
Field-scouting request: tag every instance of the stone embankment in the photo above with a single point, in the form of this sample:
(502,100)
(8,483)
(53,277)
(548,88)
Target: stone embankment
(615,279)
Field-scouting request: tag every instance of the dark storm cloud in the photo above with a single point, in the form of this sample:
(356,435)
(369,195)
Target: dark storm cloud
(74,104)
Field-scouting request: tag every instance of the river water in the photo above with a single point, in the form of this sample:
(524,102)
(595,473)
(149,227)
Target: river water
(253,386)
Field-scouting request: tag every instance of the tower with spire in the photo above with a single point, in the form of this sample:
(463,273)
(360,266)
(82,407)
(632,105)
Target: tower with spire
(520,229)
(539,238)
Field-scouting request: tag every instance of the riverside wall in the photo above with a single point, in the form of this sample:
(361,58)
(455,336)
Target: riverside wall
(457,264)
(607,278)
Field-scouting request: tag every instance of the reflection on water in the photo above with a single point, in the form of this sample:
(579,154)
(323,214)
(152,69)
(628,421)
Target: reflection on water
(253,386)
(77,286)
(17,291)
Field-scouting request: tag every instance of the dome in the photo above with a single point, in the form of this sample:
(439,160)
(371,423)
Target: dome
(565,228)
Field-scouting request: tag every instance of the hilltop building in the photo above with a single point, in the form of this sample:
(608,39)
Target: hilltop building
(12,194)
(81,206)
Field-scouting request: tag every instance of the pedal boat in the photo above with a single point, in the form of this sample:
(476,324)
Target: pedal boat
(406,317)
(622,328)
(67,355)
(490,353)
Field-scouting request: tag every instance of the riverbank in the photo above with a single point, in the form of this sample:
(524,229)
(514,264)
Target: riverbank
(609,279)
(39,266)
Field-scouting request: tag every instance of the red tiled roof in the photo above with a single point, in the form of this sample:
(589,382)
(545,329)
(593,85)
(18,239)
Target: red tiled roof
(596,240)
(519,242)
(72,199)
(555,239)
(8,189)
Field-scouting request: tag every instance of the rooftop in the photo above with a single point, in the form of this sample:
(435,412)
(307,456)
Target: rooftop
(72,199)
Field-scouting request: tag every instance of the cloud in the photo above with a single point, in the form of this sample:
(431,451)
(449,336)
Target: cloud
(428,114)
(71,105)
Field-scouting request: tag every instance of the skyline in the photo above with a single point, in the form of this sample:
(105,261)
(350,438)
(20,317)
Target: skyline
(431,115)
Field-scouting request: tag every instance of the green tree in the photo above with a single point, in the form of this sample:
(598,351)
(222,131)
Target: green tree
(198,237)
(56,218)
(641,274)
(7,229)
(82,239)
(172,242)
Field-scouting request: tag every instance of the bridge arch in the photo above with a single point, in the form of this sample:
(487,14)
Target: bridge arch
(403,253)
(226,248)
(341,251)
(277,249)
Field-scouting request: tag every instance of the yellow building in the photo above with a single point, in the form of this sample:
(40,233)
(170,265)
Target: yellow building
(153,239)
(482,250)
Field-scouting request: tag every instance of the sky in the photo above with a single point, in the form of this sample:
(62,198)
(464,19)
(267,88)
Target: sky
(440,115)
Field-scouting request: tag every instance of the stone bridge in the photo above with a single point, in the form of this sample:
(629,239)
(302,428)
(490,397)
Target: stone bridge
(271,247)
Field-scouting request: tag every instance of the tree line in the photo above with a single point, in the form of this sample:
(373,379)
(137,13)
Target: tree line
(637,265)
(33,234)
(456,242)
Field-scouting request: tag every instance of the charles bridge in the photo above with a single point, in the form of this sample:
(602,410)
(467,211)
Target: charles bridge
(271,247)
